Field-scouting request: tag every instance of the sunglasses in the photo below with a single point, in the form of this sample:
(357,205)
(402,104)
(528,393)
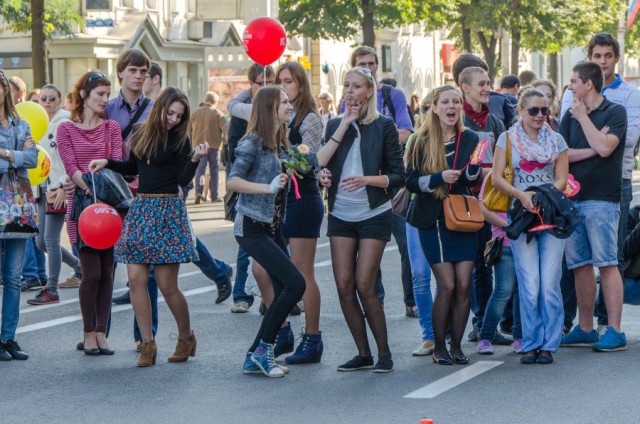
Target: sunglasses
(97,75)
(534,111)
(50,98)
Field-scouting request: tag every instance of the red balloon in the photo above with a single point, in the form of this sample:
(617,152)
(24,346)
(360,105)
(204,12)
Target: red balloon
(264,40)
(100,226)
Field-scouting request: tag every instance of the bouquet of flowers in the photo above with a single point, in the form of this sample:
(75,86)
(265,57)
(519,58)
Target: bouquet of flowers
(297,164)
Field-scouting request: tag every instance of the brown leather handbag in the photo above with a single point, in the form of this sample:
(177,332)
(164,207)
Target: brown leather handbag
(462,213)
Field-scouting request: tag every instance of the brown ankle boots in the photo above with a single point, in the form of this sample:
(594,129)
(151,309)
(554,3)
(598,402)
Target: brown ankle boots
(148,353)
(184,349)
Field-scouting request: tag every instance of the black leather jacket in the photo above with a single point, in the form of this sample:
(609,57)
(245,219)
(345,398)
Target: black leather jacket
(381,155)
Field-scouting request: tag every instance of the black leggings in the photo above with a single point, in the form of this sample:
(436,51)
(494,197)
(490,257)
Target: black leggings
(96,288)
(288,284)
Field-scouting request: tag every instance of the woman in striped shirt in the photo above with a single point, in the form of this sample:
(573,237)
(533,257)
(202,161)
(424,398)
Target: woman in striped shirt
(85,138)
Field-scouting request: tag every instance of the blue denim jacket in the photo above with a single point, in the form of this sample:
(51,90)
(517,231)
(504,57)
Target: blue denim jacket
(22,159)
(255,164)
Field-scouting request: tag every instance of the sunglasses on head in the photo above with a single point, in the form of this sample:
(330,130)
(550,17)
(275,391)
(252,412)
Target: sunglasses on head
(534,111)
(97,75)
(50,98)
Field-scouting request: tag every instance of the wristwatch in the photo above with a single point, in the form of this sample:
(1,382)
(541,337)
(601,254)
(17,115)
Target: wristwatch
(7,153)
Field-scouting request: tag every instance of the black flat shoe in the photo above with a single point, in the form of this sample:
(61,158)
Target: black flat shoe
(545,358)
(442,361)
(460,359)
(13,348)
(106,351)
(529,358)
(92,352)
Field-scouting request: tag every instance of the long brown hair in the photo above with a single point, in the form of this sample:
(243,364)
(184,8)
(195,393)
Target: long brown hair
(428,154)
(304,102)
(264,118)
(86,83)
(9,108)
(153,135)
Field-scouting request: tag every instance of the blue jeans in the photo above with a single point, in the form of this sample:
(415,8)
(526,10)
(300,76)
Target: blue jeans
(625,204)
(34,265)
(211,267)
(481,280)
(242,273)
(506,286)
(539,270)
(14,250)
(153,297)
(421,275)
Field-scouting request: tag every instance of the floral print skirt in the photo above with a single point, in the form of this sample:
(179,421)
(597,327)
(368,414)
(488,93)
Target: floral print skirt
(156,231)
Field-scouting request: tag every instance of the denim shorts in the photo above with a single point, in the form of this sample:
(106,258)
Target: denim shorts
(595,240)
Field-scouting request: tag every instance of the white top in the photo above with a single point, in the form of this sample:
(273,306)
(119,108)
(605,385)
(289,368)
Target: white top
(354,206)
(57,175)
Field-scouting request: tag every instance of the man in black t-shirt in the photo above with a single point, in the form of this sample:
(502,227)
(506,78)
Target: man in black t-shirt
(594,130)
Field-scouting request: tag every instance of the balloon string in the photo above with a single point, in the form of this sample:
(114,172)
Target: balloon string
(93,183)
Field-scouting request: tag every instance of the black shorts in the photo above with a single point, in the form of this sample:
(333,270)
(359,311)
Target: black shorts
(377,227)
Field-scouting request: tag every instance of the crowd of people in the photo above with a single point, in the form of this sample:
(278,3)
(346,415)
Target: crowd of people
(509,199)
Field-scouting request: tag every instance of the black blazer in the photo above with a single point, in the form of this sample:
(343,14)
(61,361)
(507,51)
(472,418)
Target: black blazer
(426,208)
(381,155)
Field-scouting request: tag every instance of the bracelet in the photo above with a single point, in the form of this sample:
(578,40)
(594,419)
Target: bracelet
(337,142)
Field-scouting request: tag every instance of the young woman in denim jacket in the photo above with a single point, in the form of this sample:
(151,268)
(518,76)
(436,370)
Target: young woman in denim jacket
(257,175)
(18,151)
(363,160)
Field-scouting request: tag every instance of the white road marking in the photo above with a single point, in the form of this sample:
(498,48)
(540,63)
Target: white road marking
(73,318)
(449,382)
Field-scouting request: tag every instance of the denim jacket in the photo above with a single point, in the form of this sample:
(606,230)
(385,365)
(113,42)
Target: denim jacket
(22,159)
(257,165)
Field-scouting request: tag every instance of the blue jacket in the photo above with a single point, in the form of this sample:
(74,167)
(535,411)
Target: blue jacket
(23,160)
(255,164)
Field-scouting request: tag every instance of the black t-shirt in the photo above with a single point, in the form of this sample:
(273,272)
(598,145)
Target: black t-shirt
(599,178)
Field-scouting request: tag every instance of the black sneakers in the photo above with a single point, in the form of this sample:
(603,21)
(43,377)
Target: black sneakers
(384,364)
(357,363)
(13,349)
(4,355)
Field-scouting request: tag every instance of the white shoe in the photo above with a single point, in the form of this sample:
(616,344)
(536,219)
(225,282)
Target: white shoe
(425,349)
(240,308)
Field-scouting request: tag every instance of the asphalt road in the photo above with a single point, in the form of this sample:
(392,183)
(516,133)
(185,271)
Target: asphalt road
(60,385)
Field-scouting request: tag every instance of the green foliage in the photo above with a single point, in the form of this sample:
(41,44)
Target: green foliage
(342,19)
(61,16)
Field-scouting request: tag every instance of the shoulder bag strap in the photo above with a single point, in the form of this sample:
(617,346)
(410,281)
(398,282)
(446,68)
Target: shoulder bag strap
(134,119)
(508,150)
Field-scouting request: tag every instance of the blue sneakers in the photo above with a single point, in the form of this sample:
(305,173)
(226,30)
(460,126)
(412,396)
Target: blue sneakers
(579,338)
(263,358)
(249,367)
(612,341)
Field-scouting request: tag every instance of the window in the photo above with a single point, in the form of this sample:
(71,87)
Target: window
(208,29)
(386,59)
(97,5)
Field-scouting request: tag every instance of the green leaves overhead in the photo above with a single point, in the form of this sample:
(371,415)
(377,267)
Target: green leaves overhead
(62,16)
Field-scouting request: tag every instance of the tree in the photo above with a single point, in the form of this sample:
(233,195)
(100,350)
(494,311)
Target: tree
(43,19)
(346,19)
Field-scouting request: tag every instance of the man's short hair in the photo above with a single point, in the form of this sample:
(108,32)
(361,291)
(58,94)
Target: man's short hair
(256,70)
(603,39)
(510,81)
(590,71)
(465,61)
(132,57)
(211,98)
(361,51)
(466,76)
(527,77)
(18,83)
(154,70)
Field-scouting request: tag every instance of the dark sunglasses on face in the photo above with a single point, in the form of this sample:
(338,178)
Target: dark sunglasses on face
(50,98)
(534,111)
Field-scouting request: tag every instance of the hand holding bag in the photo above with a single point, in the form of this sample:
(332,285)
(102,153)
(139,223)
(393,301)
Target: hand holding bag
(400,202)
(18,218)
(462,213)
(51,200)
(493,199)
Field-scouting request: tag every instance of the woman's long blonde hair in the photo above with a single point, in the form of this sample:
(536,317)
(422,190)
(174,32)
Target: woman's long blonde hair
(371,111)
(428,154)
(150,137)
(264,119)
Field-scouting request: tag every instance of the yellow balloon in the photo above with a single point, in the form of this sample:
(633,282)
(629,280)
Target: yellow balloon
(36,117)
(40,173)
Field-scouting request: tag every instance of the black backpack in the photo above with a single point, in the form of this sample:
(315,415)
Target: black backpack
(386,100)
